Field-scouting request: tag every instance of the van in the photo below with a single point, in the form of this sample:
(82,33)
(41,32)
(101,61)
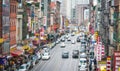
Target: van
(83,64)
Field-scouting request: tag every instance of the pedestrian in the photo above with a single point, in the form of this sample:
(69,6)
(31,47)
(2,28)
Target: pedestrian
(90,68)
(95,64)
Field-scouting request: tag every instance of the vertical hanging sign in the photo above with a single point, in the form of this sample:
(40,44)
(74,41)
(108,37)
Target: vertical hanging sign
(116,61)
(108,65)
(45,21)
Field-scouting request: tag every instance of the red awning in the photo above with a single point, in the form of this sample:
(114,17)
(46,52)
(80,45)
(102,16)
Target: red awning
(16,52)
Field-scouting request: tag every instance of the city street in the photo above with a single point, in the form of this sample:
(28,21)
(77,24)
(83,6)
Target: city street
(59,35)
(56,62)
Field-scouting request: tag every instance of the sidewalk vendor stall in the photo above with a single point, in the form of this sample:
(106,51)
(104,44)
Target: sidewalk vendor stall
(16,52)
(43,39)
(16,61)
(2,62)
(36,41)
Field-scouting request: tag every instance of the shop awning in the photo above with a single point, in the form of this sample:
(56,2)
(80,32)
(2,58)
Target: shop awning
(43,37)
(37,34)
(16,52)
(26,47)
(36,39)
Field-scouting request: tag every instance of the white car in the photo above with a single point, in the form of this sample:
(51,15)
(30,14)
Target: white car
(69,39)
(73,42)
(83,64)
(23,67)
(57,42)
(46,56)
(62,44)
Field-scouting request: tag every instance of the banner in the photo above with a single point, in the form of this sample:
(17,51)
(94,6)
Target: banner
(116,61)
(108,65)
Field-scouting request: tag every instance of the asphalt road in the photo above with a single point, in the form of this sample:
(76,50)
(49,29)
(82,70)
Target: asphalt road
(56,62)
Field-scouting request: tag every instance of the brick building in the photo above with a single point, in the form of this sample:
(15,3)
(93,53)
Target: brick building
(13,19)
(7,25)
(4,25)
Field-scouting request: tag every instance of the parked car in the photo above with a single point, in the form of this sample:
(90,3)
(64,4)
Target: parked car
(34,60)
(75,53)
(46,50)
(46,56)
(39,56)
(23,67)
(65,54)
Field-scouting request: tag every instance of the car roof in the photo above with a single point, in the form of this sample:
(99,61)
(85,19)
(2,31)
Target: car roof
(83,59)
(65,51)
(24,65)
(75,50)
(83,55)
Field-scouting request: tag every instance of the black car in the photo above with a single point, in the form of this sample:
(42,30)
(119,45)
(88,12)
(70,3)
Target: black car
(75,53)
(65,54)
(78,39)
(63,39)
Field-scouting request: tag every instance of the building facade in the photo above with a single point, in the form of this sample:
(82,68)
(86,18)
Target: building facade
(4,26)
(80,13)
(66,8)
(13,21)
(19,23)
(55,16)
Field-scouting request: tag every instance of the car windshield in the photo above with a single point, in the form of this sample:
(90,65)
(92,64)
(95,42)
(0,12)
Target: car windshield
(65,52)
(83,42)
(75,51)
(45,54)
(83,62)
(22,67)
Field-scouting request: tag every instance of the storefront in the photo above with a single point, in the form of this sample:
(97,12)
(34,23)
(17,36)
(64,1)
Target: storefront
(116,61)
(101,66)
(16,52)
(36,41)
(2,63)
(43,39)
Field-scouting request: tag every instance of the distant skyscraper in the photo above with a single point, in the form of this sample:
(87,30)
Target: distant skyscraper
(82,2)
(66,8)
(80,12)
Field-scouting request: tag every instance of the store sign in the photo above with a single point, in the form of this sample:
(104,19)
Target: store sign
(116,60)
(99,51)
(1,40)
(108,65)
(45,21)
(103,50)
